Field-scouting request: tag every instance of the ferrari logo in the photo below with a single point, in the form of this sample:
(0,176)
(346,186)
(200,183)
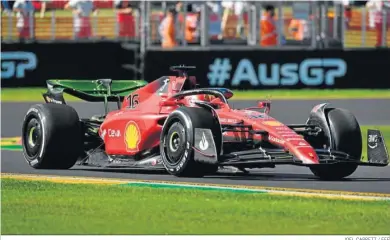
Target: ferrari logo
(132,137)
(273,123)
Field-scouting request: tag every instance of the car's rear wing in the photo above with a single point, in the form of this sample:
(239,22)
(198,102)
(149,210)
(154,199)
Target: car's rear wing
(101,90)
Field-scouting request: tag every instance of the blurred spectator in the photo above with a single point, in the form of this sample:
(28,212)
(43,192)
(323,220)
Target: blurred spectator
(179,6)
(268,32)
(167,29)
(44,7)
(233,7)
(216,13)
(125,18)
(179,20)
(82,10)
(7,6)
(347,10)
(24,14)
(215,7)
(191,25)
(380,8)
(371,14)
(299,29)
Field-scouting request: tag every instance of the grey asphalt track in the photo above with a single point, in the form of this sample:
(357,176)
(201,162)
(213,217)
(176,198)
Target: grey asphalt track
(365,179)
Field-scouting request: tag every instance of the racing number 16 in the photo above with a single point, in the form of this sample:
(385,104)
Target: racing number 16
(133,101)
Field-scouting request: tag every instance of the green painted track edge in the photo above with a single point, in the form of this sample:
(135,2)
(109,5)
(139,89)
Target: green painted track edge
(191,187)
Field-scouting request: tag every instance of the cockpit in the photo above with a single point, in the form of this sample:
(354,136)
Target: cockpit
(186,87)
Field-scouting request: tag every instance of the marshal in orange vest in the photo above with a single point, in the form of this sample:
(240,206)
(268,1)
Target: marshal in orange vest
(268,33)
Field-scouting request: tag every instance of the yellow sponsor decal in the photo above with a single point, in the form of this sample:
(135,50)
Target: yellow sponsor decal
(132,137)
(11,141)
(273,123)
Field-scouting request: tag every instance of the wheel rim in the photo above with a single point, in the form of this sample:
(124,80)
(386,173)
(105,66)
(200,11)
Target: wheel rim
(32,138)
(175,143)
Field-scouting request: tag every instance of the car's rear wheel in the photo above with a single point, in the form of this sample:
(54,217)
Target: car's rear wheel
(51,136)
(346,137)
(177,141)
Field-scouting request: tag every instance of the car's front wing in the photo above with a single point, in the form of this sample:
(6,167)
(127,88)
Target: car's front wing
(377,155)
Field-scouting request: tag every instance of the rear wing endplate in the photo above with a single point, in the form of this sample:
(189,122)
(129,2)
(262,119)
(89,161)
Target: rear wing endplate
(377,153)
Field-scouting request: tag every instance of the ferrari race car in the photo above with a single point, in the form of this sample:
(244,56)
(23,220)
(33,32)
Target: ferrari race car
(173,124)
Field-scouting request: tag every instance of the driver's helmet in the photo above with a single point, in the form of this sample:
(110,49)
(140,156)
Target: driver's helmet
(201,97)
(191,84)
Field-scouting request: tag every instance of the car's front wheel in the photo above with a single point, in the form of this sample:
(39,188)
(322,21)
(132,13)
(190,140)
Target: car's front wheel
(177,141)
(345,137)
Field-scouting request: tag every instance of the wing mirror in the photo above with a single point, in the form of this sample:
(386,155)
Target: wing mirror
(228,94)
(266,105)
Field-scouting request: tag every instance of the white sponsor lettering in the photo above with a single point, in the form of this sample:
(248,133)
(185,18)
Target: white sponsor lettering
(228,120)
(372,141)
(294,139)
(283,128)
(303,147)
(287,132)
(32,110)
(114,133)
(118,113)
(274,139)
(253,114)
(203,144)
(103,134)
(163,87)
(372,138)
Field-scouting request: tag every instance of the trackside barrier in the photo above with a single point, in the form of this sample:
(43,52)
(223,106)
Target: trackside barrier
(32,64)
(25,65)
(289,69)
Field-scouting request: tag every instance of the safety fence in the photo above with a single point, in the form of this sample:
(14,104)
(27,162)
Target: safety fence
(353,28)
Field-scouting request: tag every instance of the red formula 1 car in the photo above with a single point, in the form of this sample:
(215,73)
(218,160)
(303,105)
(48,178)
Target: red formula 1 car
(189,131)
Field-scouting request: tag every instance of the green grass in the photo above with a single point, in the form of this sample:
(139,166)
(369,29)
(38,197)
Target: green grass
(35,94)
(30,207)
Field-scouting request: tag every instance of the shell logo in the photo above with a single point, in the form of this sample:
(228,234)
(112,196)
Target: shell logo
(273,123)
(132,137)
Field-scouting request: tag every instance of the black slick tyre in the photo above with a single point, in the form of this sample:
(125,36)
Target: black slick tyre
(51,136)
(346,137)
(177,141)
